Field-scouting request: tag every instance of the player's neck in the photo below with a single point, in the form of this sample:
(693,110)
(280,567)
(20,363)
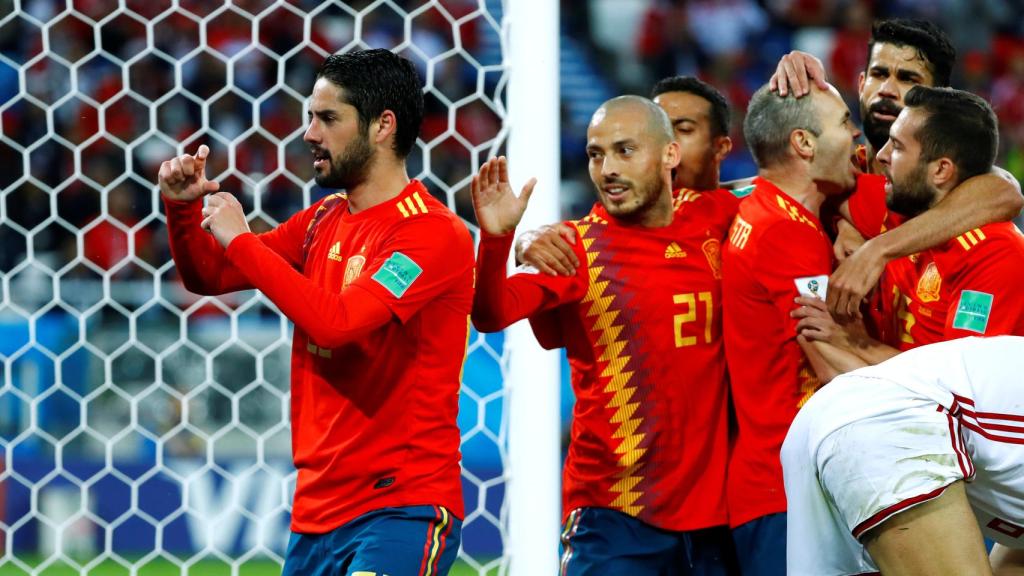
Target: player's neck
(385,181)
(874,166)
(797,185)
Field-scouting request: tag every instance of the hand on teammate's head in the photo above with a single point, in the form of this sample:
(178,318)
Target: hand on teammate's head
(795,72)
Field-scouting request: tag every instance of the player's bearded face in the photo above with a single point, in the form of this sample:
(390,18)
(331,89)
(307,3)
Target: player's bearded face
(347,168)
(625,197)
(910,194)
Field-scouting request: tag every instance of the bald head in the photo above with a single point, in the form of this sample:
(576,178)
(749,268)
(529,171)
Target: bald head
(654,119)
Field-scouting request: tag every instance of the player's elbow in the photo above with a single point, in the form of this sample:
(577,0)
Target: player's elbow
(196,285)
(485,321)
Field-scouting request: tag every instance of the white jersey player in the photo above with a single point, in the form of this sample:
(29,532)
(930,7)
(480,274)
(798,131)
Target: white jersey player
(900,467)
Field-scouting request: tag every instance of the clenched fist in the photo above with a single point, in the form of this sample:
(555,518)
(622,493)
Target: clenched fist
(184,177)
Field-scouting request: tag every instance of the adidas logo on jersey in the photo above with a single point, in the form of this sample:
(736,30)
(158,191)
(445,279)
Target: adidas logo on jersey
(674,251)
(335,252)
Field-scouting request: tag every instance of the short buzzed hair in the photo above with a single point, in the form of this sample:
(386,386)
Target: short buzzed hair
(658,123)
(959,125)
(771,119)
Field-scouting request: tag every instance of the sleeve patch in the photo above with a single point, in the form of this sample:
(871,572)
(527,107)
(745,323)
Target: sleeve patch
(972,311)
(743,192)
(397,274)
(812,286)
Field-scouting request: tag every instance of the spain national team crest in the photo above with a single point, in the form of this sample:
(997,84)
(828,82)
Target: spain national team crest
(713,252)
(353,269)
(929,285)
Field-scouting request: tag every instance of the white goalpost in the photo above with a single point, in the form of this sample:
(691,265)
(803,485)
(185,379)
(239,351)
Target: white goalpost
(145,429)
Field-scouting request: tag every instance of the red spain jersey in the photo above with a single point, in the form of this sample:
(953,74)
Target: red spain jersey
(374,419)
(972,285)
(773,244)
(641,323)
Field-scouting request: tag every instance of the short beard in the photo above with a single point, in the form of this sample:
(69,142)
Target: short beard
(350,170)
(651,190)
(913,196)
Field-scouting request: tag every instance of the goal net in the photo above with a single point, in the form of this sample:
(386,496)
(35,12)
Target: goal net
(143,429)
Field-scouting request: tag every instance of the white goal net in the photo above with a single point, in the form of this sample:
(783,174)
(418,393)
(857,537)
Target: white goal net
(143,429)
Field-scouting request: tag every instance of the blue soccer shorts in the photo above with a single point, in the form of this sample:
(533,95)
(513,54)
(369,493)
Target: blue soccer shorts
(761,545)
(599,541)
(405,541)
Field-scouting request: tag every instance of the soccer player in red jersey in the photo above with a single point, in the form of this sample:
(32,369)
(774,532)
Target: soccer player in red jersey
(379,284)
(969,286)
(777,248)
(903,53)
(700,124)
(643,484)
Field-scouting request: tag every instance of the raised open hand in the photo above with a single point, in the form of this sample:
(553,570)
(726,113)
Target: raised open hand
(498,209)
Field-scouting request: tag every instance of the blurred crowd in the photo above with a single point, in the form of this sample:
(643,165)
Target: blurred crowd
(736,44)
(110,100)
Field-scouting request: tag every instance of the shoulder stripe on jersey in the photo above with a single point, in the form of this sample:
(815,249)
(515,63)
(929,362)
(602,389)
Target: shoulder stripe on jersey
(971,238)
(419,202)
(1010,427)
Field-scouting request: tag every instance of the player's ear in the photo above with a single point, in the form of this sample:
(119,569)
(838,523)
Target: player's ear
(722,145)
(803,143)
(383,127)
(671,155)
(943,172)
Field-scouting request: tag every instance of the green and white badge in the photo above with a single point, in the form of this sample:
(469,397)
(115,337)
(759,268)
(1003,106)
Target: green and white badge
(398,273)
(972,311)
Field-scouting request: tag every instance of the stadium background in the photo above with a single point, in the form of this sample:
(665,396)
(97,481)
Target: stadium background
(144,428)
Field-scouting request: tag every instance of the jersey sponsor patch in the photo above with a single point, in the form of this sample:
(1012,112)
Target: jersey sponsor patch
(398,273)
(815,286)
(972,311)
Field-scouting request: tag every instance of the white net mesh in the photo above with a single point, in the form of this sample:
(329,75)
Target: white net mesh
(144,430)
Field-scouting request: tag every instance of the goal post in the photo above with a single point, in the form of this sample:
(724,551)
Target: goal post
(533,375)
(143,427)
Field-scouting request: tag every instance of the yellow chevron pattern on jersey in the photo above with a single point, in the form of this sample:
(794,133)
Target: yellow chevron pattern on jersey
(971,238)
(593,218)
(412,205)
(684,195)
(793,212)
(629,453)
(808,382)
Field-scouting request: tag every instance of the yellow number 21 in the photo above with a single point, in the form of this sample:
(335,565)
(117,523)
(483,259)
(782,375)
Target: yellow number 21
(690,300)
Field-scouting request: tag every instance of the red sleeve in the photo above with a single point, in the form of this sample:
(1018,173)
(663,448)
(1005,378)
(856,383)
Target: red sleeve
(500,301)
(986,293)
(202,263)
(422,259)
(329,319)
(867,205)
(786,251)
